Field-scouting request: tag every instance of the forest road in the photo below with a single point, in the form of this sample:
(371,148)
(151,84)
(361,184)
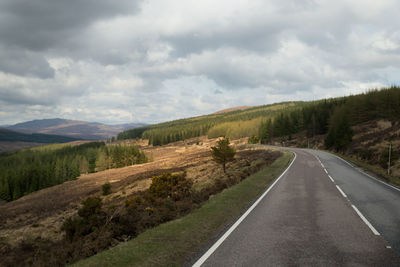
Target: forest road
(312,217)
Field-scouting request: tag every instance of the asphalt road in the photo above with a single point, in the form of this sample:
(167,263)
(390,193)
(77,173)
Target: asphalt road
(378,202)
(304,220)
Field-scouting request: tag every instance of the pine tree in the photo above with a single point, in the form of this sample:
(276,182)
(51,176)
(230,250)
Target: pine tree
(340,133)
(5,193)
(223,152)
(92,160)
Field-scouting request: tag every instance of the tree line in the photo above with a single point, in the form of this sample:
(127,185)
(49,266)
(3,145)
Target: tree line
(26,171)
(168,132)
(12,136)
(334,117)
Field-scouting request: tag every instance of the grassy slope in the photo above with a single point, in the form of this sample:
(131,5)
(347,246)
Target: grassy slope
(176,242)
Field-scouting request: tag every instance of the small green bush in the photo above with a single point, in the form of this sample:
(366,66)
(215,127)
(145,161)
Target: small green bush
(253,140)
(106,189)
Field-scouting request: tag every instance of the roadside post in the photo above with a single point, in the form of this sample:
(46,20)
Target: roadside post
(390,151)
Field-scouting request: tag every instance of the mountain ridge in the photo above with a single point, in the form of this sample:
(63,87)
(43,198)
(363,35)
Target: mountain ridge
(72,128)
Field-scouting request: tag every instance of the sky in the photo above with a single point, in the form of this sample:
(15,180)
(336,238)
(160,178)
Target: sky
(157,60)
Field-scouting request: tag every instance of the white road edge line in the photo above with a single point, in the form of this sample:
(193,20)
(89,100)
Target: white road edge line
(345,161)
(326,171)
(320,162)
(367,174)
(366,221)
(341,191)
(214,247)
(330,177)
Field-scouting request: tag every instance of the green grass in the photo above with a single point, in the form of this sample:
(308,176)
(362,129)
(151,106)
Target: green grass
(178,241)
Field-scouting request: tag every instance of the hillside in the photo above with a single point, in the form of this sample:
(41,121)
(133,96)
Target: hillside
(329,124)
(235,124)
(41,215)
(72,128)
(232,109)
(326,116)
(7,135)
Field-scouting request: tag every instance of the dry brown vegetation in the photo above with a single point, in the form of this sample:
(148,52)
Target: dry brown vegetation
(233,109)
(41,214)
(371,141)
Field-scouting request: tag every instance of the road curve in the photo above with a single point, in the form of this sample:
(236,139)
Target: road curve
(304,220)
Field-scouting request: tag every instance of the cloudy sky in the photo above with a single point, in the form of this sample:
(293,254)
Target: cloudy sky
(157,60)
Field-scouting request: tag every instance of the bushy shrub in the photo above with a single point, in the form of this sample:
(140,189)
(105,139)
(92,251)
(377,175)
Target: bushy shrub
(253,140)
(91,217)
(106,188)
(173,186)
(169,196)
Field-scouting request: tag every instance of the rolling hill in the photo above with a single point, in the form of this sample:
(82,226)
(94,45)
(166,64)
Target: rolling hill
(234,124)
(72,128)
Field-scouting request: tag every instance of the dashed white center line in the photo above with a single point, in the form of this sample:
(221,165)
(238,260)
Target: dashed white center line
(341,191)
(354,207)
(366,221)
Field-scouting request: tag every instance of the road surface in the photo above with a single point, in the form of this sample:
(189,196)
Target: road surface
(306,220)
(378,202)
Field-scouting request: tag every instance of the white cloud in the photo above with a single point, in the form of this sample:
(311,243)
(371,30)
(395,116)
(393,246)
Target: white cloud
(159,60)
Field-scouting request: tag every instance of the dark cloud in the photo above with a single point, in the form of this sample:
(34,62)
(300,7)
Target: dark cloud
(39,25)
(30,29)
(24,63)
(261,37)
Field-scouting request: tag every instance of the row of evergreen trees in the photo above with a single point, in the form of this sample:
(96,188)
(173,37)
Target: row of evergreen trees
(29,170)
(334,117)
(314,119)
(178,130)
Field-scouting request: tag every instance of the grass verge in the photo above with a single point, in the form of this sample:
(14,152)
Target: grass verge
(177,242)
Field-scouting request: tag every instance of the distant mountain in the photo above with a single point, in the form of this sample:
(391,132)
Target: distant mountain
(73,128)
(12,136)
